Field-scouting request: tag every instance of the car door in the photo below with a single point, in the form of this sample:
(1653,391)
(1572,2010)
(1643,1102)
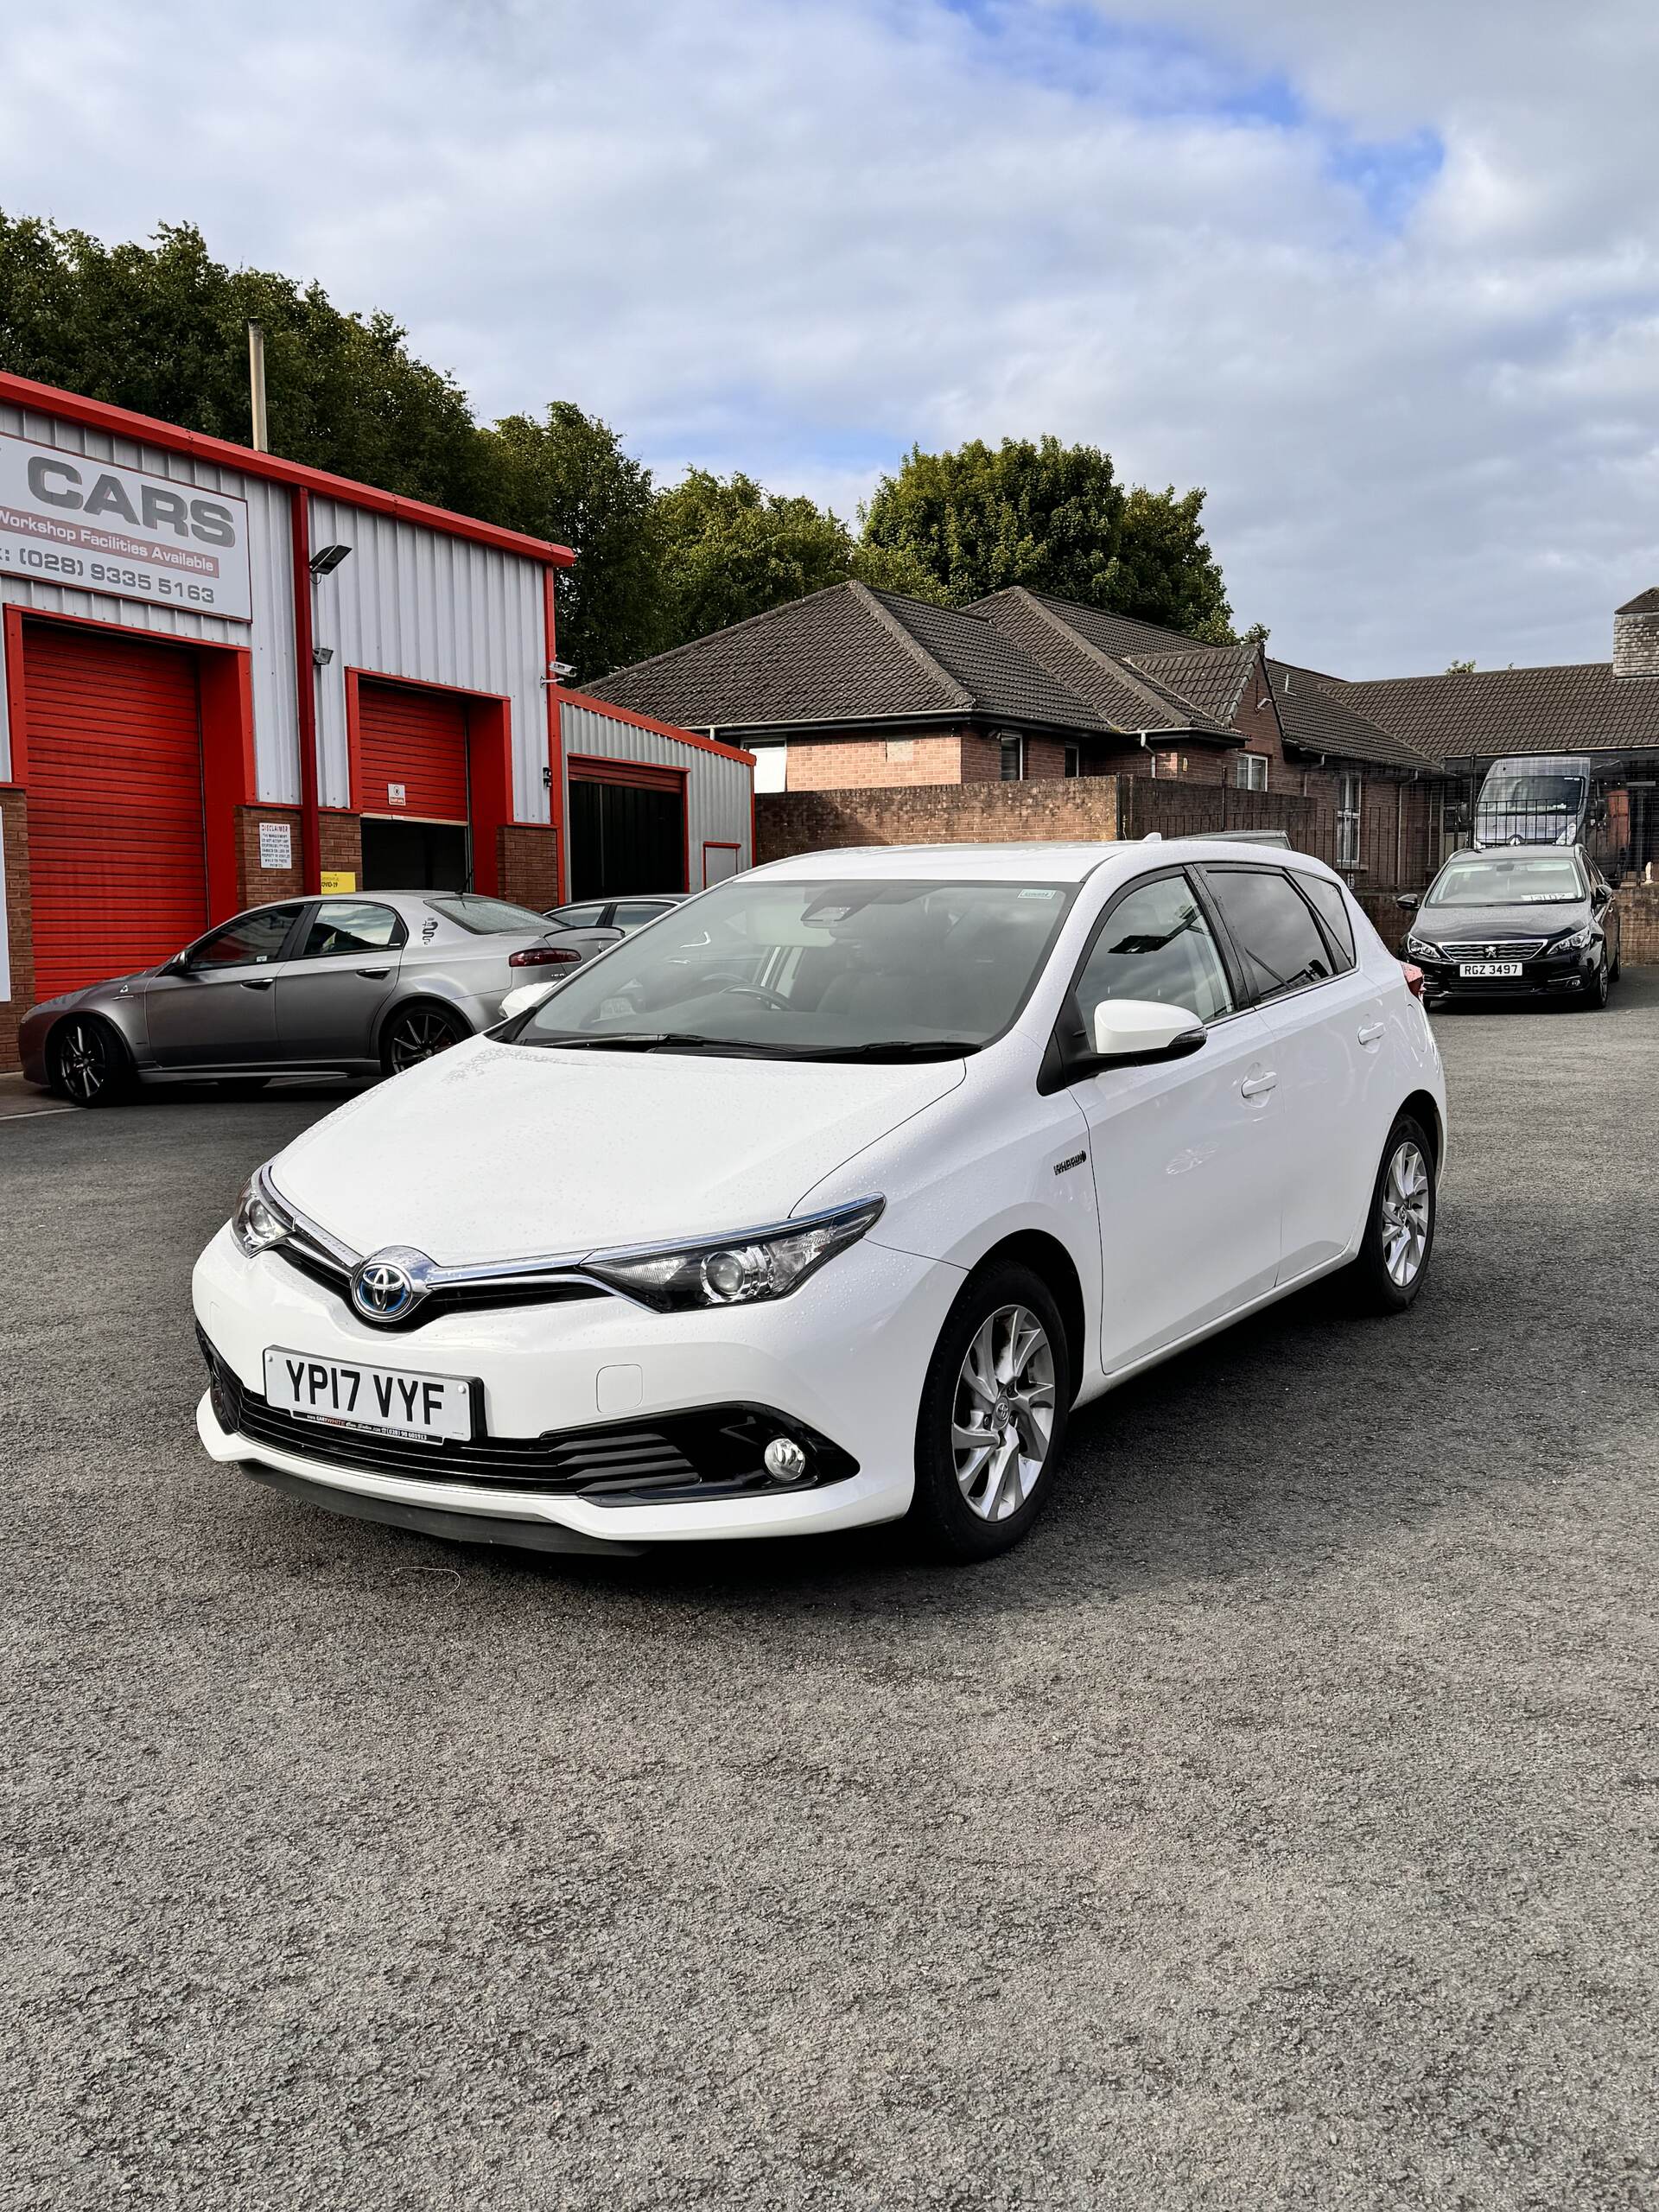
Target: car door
(336,981)
(216,1007)
(1293,936)
(1183,1152)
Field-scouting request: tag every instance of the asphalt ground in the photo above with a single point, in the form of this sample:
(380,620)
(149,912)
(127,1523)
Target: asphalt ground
(1276,1828)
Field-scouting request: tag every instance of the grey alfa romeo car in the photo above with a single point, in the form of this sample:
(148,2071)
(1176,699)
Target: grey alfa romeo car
(366,985)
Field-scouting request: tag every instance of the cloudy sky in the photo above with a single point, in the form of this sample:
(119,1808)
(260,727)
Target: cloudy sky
(1385,280)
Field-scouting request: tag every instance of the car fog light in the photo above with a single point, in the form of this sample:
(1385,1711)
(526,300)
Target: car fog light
(785,1460)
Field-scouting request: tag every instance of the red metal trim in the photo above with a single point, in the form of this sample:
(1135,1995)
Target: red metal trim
(555,741)
(647,775)
(662,729)
(15,718)
(219,453)
(305,693)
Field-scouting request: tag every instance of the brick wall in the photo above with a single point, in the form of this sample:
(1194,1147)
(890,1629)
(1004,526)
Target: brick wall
(14,831)
(340,841)
(1638,923)
(1186,808)
(1037,811)
(527,855)
(859,760)
(255,884)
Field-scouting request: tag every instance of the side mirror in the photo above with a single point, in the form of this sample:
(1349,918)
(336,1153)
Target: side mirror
(1601,898)
(1133,1032)
(178,965)
(1408,900)
(526,996)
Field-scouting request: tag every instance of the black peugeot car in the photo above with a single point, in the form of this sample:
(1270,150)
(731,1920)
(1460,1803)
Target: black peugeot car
(1506,922)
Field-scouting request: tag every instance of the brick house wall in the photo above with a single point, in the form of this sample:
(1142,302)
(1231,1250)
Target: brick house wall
(1256,720)
(1038,811)
(527,862)
(832,762)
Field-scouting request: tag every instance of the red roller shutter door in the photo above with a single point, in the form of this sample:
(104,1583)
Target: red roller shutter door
(416,740)
(118,864)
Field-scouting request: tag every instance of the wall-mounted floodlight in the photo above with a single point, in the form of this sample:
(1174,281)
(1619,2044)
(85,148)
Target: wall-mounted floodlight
(327,558)
(322,655)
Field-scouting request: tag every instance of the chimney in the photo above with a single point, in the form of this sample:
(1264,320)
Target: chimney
(1636,637)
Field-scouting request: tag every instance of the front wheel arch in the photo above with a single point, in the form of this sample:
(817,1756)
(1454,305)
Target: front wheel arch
(1048,1258)
(422,1002)
(122,1077)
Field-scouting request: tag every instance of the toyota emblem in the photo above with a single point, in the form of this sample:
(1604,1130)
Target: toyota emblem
(383,1289)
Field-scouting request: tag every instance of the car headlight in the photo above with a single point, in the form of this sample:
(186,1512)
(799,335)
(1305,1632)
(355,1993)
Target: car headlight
(1420,948)
(739,1270)
(259,1221)
(1577,943)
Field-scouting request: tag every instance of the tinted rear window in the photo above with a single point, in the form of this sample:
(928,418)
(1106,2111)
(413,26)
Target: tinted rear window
(1277,938)
(1331,904)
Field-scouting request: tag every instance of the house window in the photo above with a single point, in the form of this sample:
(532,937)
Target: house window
(770,767)
(1013,758)
(1074,759)
(1251,771)
(1347,821)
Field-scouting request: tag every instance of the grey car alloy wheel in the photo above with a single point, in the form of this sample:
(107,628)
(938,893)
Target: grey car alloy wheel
(86,1065)
(417,1034)
(1405,1213)
(1003,1418)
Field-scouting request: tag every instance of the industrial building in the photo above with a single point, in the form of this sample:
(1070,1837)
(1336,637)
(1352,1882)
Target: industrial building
(225,677)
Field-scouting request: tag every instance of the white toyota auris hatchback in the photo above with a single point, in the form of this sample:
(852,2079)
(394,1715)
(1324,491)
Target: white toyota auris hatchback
(824,1199)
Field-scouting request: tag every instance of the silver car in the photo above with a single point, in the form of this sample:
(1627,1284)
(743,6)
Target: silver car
(367,985)
(591,924)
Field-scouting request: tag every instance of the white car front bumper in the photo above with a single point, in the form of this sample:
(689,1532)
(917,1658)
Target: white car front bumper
(844,1355)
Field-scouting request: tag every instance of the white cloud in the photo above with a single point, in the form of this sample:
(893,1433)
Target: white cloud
(796,235)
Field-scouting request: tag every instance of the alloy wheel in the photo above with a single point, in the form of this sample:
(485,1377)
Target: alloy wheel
(84,1063)
(1405,1199)
(416,1036)
(1002,1418)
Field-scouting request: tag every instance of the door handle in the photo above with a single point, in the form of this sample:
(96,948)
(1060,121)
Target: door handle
(375,974)
(1254,1086)
(255,983)
(1369,1035)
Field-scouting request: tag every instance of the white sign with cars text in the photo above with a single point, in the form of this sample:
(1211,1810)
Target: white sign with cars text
(68,520)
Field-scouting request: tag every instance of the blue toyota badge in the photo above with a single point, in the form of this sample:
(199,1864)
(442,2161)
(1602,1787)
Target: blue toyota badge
(383,1289)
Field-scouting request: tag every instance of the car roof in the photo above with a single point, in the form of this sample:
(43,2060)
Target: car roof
(1028,863)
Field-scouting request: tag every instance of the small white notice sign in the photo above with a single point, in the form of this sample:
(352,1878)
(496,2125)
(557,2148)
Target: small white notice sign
(395,794)
(275,844)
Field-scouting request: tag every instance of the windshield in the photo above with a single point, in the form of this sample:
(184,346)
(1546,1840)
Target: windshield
(872,968)
(1506,879)
(1531,794)
(487,917)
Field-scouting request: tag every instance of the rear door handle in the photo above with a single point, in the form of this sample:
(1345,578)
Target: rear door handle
(1254,1086)
(1369,1036)
(255,983)
(375,974)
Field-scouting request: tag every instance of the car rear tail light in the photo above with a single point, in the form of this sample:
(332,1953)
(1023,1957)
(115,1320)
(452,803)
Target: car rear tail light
(543,956)
(1413,978)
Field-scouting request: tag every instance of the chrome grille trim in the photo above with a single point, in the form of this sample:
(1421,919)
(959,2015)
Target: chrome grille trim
(1486,948)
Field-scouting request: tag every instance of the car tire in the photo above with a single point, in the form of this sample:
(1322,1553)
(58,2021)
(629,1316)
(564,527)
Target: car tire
(88,1063)
(1596,997)
(1399,1241)
(1002,1366)
(417,1032)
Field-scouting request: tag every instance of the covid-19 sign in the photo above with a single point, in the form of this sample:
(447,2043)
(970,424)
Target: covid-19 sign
(68,520)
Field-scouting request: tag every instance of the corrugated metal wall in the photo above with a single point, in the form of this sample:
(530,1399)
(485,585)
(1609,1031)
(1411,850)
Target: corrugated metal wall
(433,609)
(718,790)
(270,636)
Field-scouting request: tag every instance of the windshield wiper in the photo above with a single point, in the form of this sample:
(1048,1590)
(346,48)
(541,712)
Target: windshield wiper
(893,1048)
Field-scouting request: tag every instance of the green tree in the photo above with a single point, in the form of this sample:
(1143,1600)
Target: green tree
(1055,519)
(162,328)
(1460,668)
(731,549)
(566,478)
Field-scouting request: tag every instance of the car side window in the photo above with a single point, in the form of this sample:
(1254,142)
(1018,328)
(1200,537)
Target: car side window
(1330,903)
(248,942)
(1276,936)
(576,918)
(352,925)
(633,913)
(1156,944)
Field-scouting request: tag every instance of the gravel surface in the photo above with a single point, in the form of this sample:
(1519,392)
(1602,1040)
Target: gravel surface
(1276,1828)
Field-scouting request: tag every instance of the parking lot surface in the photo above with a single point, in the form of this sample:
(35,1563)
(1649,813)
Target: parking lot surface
(1277,1827)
